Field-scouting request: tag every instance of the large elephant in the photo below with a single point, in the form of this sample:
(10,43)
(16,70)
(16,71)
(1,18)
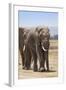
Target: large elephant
(34,44)
(43,48)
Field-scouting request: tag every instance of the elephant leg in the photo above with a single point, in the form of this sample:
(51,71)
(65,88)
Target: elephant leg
(22,57)
(42,61)
(47,61)
(27,55)
(34,54)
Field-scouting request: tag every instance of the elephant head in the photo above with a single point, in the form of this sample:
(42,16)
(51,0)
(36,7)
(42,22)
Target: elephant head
(44,37)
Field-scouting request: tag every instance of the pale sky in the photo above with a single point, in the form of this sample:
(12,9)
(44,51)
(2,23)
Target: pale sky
(34,18)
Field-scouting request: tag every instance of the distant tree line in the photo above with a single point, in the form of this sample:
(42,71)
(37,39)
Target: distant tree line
(54,37)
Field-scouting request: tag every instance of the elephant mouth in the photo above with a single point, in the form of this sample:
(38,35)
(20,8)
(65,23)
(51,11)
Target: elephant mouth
(44,49)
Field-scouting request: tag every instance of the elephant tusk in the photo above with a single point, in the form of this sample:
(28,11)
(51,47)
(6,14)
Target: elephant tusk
(24,48)
(44,49)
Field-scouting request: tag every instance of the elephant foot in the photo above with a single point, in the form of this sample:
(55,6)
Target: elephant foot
(42,69)
(26,68)
(47,70)
(23,67)
(35,69)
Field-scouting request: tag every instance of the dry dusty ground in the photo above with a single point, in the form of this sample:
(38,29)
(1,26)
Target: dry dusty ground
(53,65)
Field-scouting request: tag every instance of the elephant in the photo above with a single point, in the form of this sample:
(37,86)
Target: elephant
(44,37)
(34,45)
(22,36)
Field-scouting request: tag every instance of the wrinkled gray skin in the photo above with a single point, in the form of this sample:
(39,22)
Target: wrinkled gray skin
(34,44)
